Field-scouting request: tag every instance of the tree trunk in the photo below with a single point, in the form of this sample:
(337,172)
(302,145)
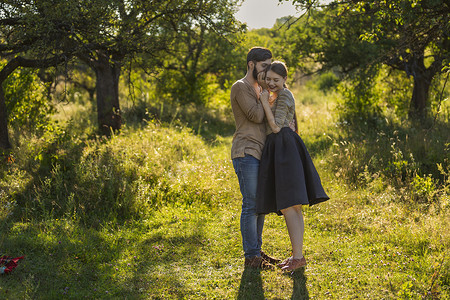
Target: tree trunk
(419,100)
(4,135)
(108,109)
(422,82)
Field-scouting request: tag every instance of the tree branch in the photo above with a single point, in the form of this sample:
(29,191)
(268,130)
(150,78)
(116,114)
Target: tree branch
(9,21)
(29,63)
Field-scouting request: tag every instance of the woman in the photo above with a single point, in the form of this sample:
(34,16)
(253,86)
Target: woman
(287,176)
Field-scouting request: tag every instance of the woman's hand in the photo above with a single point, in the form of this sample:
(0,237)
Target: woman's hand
(262,80)
(264,96)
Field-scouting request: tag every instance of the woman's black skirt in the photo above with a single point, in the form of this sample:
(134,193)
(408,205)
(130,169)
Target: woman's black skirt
(287,175)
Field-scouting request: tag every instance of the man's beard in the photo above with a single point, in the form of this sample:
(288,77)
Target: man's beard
(255,74)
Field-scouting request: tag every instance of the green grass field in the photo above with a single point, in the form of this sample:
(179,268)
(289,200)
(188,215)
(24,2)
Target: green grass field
(153,213)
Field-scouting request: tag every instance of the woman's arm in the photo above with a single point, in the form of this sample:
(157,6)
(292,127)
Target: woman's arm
(285,106)
(269,115)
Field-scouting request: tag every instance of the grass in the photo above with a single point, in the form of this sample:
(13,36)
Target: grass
(354,250)
(153,213)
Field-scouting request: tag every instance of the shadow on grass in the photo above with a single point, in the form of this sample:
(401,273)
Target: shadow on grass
(251,285)
(59,262)
(300,292)
(166,258)
(72,261)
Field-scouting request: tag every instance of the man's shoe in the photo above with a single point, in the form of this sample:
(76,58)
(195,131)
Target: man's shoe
(257,262)
(270,259)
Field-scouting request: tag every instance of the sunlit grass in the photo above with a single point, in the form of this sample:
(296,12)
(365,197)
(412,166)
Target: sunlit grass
(153,213)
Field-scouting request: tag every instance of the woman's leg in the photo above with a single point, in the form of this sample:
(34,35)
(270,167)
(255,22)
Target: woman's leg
(299,210)
(296,227)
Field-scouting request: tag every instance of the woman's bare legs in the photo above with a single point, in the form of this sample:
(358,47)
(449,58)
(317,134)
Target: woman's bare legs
(296,227)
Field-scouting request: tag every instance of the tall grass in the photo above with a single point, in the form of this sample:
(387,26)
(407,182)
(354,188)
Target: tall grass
(92,179)
(382,153)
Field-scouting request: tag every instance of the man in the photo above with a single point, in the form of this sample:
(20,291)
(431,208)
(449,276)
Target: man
(246,150)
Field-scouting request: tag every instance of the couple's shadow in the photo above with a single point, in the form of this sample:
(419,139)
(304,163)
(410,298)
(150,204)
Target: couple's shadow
(251,286)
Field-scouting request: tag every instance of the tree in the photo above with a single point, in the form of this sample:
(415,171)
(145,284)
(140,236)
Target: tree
(19,38)
(408,35)
(102,33)
(7,70)
(197,53)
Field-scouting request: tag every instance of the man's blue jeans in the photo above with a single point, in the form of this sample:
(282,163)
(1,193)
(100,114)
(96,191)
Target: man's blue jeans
(246,169)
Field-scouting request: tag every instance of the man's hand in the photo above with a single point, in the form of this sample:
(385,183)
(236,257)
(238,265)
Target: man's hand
(262,80)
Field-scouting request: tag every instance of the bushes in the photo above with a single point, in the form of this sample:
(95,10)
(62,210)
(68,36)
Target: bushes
(378,145)
(126,177)
(26,102)
(411,159)
(327,82)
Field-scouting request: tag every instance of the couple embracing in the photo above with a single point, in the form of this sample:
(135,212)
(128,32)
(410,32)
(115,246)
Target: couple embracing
(274,169)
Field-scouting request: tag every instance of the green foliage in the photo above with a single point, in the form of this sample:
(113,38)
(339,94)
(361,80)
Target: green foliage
(199,57)
(423,187)
(173,85)
(26,102)
(394,91)
(210,120)
(407,36)
(327,82)
(185,36)
(361,100)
